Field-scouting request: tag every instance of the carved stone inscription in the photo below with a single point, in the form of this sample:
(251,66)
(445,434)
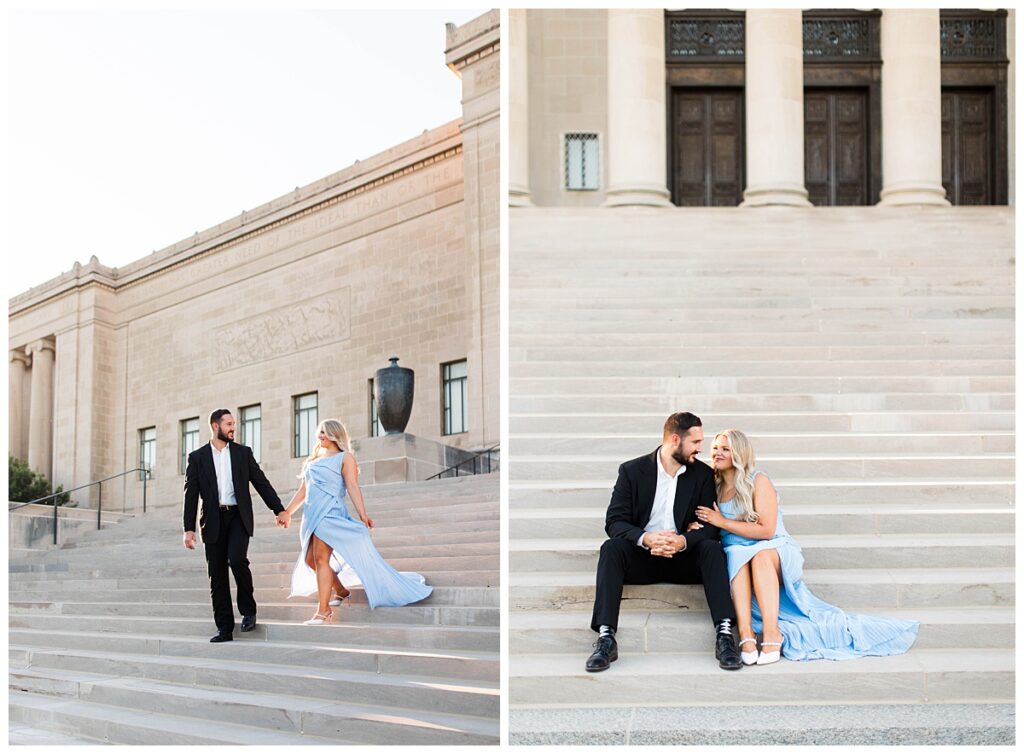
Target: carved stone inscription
(284,331)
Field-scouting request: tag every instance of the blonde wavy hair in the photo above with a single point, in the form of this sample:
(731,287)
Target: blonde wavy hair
(743,460)
(335,431)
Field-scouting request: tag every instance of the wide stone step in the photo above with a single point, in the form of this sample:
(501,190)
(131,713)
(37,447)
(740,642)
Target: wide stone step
(800,520)
(859,589)
(755,327)
(650,423)
(968,675)
(670,632)
(866,466)
(771,443)
(473,638)
(292,714)
(685,374)
(99,723)
(294,612)
(819,551)
(668,309)
(752,403)
(313,651)
(559,336)
(797,724)
(32,669)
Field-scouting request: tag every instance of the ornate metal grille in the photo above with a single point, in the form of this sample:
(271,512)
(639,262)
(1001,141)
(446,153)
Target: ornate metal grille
(705,38)
(582,162)
(837,38)
(975,36)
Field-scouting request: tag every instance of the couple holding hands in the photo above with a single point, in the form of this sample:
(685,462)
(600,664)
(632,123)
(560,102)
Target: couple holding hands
(331,541)
(674,519)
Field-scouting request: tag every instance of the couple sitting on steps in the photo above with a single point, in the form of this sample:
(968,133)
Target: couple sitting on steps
(665,526)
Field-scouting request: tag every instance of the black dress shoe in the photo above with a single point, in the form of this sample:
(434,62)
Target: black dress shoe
(221,637)
(248,622)
(606,651)
(726,653)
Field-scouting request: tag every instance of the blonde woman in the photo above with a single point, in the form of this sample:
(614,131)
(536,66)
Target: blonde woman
(766,574)
(333,540)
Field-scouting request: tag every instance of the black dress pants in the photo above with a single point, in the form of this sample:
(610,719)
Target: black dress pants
(230,551)
(625,562)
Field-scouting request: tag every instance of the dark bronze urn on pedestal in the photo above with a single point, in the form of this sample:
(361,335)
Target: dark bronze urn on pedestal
(393,391)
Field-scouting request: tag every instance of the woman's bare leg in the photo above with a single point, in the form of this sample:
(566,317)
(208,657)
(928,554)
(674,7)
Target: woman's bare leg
(324,573)
(767,575)
(741,596)
(339,588)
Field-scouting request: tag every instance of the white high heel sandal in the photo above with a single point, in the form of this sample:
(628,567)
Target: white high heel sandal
(767,658)
(748,658)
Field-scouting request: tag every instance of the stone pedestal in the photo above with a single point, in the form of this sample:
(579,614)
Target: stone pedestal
(911,108)
(15,404)
(636,109)
(518,115)
(402,458)
(40,437)
(775,109)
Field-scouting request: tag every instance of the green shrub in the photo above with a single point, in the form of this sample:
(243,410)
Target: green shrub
(24,485)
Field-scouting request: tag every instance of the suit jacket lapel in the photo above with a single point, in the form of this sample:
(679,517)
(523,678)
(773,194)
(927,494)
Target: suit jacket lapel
(647,485)
(206,457)
(684,498)
(237,468)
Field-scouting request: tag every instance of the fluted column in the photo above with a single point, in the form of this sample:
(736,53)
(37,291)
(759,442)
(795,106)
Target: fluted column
(911,108)
(775,109)
(40,433)
(518,116)
(636,109)
(15,403)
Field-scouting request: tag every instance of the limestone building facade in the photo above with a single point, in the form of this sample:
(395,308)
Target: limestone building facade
(761,107)
(282,314)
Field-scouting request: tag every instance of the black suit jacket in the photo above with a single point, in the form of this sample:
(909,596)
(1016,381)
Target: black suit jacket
(201,482)
(633,498)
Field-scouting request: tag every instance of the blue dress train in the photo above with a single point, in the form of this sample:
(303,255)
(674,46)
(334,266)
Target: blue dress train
(355,558)
(811,628)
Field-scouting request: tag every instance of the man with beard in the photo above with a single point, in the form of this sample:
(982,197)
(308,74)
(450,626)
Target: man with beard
(220,474)
(655,498)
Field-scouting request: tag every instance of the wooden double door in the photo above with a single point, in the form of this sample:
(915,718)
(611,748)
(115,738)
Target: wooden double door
(706,133)
(837,146)
(969,146)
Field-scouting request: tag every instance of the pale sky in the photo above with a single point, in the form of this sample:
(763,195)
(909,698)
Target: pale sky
(131,130)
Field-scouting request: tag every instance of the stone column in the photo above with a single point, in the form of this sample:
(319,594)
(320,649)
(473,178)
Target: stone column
(40,434)
(518,105)
(15,403)
(775,109)
(637,141)
(911,108)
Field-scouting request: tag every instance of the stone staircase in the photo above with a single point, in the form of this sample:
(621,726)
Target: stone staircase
(109,637)
(868,353)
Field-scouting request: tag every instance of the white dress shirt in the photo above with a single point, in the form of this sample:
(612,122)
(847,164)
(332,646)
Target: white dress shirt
(663,510)
(225,482)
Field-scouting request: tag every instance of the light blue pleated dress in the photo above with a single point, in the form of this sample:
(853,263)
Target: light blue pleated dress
(355,559)
(812,629)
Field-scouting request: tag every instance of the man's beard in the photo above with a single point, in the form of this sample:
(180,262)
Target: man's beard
(679,458)
(221,436)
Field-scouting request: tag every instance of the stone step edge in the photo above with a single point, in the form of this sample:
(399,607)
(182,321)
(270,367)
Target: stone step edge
(441,654)
(968,575)
(576,619)
(216,731)
(242,666)
(484,726)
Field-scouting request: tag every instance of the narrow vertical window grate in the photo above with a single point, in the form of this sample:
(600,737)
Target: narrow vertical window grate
(582,162)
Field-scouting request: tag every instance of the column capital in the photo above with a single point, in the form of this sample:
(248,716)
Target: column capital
(18,354)
(38,346)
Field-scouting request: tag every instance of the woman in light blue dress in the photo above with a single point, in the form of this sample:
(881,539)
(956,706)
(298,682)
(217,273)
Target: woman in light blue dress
(333,543)
(763,557)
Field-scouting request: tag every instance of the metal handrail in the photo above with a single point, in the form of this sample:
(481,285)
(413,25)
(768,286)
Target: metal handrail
(99,498)
(471,459)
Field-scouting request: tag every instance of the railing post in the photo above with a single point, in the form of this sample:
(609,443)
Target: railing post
(145,476)
(99,506)
(54,520)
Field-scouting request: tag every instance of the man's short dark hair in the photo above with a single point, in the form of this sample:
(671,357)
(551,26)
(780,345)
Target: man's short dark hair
(217,415)
(680,423)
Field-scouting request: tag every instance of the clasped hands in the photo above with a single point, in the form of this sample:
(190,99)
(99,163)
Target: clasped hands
(664,544)
(284,519)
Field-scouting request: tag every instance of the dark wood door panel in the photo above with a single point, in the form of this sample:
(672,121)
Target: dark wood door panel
(968,137)
(836,146)
(707,147)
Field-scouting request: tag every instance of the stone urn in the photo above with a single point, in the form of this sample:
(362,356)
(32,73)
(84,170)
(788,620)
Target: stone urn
(392,390)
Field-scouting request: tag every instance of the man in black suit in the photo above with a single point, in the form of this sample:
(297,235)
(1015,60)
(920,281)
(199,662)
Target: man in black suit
(654,500)
(220,474)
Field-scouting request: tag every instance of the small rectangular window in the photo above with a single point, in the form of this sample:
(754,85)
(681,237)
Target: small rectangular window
(252,436)
(189,441)
(455,379)
(376,430)
(305,422)
(582,164)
